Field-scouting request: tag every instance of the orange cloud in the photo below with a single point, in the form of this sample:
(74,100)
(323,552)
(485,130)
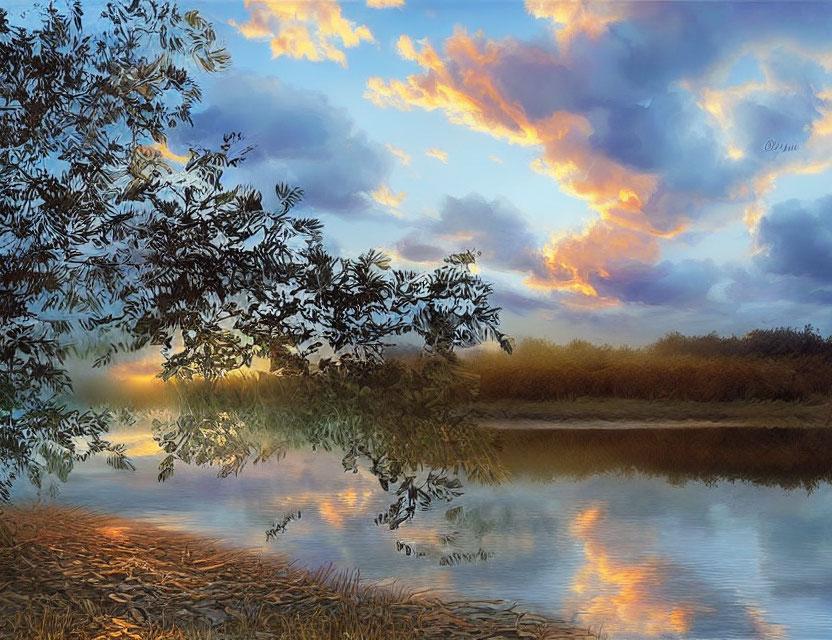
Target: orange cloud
(401,154)
(474,102)
(440,155)
(472,98)
(576,17)
(496,159)
(384,4)
(634,209)
(622,596)
(159,150)
(166,153)
(384,195)
(311,29)
(573,261)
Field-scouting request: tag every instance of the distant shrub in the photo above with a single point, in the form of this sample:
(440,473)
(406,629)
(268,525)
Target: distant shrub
(782,341)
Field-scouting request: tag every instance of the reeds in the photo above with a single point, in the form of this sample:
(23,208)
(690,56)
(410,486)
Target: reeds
(779,365)
(71,575)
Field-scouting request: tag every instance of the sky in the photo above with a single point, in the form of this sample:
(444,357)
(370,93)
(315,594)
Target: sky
(626,169)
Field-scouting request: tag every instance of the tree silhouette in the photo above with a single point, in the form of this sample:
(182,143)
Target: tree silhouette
(105,242)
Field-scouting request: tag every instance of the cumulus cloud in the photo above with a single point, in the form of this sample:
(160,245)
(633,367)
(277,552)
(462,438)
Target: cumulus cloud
(577,262)
(790,276)
(795,239)
(311,29)
(300,138)
(633,110)
(415,248)
(575,17)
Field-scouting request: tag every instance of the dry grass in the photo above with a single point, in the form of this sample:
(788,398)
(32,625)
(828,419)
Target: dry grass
(69,575)
(540,370)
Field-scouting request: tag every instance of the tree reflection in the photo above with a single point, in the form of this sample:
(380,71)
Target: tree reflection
(789,458)
(406,423)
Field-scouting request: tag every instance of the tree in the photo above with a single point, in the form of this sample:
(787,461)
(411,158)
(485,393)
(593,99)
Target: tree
(76,111)
(103,241)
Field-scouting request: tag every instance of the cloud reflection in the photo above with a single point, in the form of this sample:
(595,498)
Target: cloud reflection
(623,597)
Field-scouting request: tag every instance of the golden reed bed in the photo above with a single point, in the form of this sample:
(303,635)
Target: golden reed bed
(68,574)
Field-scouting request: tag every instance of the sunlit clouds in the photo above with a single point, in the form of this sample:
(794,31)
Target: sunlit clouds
(473,101)
(623,597)
(439,154)
(312,29)
(401,154)
(384,195)
(165,152)
(573,260)
(573,17)
(635,117)
(385,4)
(639,145)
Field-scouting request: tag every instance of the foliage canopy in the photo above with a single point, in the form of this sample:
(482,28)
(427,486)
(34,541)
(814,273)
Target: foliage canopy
(104,241)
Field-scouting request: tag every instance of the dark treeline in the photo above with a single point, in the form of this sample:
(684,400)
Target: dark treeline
(782,341)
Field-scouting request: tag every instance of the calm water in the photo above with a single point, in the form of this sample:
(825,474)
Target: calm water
(631,554)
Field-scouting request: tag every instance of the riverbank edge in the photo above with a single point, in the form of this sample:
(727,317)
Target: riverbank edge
(71,574)
(625,413)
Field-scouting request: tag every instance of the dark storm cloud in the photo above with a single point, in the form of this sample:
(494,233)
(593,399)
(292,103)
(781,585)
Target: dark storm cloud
(300,138)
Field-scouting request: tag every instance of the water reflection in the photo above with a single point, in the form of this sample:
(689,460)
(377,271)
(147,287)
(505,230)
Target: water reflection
(417,466)
(784,457)
(608,531)
(635,556)
(624,596)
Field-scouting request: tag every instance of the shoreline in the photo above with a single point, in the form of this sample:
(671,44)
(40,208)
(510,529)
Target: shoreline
(67,573)
(593,413)
(635,424)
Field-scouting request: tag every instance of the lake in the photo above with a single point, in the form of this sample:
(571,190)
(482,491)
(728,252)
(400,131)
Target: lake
(623,547)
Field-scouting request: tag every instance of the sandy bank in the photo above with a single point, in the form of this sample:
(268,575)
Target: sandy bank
(69,574)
